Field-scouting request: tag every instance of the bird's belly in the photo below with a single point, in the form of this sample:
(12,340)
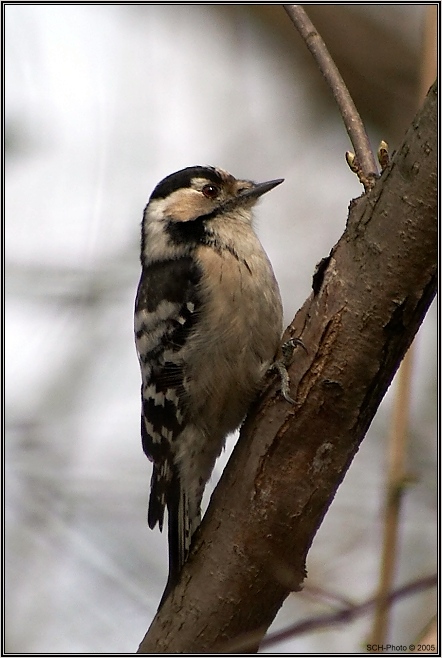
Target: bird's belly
(234,344)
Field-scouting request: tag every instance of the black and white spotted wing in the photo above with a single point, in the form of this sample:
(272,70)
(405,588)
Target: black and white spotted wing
(165,312)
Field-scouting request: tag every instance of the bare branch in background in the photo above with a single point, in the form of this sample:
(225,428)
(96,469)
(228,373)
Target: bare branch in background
(352,120)
(397,477)
(344,614)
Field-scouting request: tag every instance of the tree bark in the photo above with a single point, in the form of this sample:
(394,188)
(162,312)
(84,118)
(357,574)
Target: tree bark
(369,297)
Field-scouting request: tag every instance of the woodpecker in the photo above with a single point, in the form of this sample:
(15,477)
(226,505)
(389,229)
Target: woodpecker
(208,325)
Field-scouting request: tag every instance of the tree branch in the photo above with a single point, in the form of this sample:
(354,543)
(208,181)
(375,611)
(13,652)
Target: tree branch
(344,614)
(370,296)
(352,120)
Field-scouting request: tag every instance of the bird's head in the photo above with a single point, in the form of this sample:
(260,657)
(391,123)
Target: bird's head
(184,203)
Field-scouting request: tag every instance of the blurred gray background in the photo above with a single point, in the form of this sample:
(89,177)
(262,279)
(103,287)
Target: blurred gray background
(102,102)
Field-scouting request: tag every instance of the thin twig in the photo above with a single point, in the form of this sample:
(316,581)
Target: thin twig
(397,480)
(347,614)
(332,598)
(344,614)
(352,120)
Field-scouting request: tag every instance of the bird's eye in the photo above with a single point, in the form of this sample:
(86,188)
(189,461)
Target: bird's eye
(211,191)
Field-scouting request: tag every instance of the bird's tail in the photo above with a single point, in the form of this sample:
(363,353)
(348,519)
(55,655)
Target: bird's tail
(184,517)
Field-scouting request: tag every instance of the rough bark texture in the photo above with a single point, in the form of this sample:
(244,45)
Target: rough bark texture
(370,296)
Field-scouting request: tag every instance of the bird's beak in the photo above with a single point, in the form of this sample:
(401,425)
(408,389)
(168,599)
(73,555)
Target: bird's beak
(259,189)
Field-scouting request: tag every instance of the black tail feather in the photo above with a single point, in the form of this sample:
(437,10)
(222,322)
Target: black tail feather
(178,536)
